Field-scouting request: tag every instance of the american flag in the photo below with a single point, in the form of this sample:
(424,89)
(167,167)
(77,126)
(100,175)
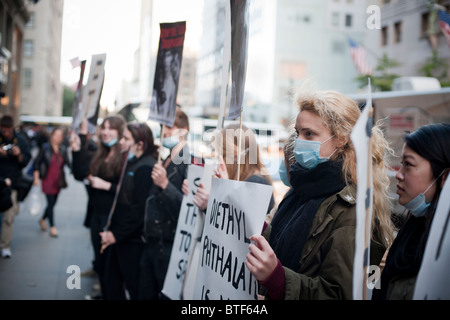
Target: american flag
(75,62)
(444,22)
(359,55)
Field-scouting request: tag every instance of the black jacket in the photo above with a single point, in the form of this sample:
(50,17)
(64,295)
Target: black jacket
(163,206)
(128,219)
(10,166)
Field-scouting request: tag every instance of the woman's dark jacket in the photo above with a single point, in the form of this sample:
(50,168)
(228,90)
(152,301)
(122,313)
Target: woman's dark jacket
(44,158)
(128,219)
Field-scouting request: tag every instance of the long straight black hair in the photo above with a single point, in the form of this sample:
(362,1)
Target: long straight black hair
(432,142)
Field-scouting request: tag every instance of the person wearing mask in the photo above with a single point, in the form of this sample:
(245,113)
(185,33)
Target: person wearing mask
(49,168)
(425,166)
(165,202)
(124,234)
(252,168)
(105,170)
(307,252)
(14,156)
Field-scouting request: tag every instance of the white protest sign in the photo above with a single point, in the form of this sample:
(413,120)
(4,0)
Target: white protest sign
(187,220)
(236,211)
(433,281)
(93,90)
(360,136)
(189,228)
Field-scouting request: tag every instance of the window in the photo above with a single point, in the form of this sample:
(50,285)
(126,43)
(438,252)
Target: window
(398,32)
(384,36)
(424,24)
(338,47)
(31,22)
(335,19)
(28,48)
(348,20)
(27,78)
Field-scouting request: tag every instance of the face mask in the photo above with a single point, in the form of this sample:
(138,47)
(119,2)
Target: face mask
(110,143)
(131,155)
(283,174)
(417,206)
(307,153)
(171,142)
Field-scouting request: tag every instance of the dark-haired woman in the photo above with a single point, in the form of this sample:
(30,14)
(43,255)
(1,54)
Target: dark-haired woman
(49,168)
(104,174)
(425,167)
(124,233)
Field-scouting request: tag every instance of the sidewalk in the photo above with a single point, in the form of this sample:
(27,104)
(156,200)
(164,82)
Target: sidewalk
(38,267)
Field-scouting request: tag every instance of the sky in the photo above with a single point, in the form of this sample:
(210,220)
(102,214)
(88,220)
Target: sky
(112,27)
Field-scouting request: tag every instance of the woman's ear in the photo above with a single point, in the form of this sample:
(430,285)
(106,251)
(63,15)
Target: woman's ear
(341,142)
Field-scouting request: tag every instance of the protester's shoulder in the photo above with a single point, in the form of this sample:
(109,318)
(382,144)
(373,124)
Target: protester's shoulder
(258,179)
(341,206)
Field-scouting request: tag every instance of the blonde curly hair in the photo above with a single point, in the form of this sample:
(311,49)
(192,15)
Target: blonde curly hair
(340,114)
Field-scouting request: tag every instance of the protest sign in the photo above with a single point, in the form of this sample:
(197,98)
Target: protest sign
(93,90)
(360,136)
(187,220)
(167,74)
(433,282)
(77,107)
(236,211)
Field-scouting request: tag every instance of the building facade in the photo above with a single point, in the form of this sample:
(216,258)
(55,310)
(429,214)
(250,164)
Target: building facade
(409,32)
(13,17)
(41,86)
(290,42)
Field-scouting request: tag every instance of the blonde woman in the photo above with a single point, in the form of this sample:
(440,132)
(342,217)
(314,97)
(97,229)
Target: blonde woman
(251,165)
(309,250)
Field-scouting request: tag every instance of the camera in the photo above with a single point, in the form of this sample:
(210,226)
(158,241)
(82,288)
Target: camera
(8,148)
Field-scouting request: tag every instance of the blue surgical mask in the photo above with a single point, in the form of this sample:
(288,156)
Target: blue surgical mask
(110,143)
(131,155)
(170,142)
(283,173)
(417,206)
(307,152)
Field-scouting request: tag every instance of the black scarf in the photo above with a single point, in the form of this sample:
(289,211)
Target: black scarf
(405,255)
(296,212)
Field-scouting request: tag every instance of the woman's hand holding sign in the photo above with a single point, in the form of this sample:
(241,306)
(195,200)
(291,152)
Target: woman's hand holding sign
(261,260)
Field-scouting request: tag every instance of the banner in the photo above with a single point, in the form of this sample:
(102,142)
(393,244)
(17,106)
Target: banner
(433,281)
(236,211)
(167,73)
(77,111)
(360,136)
(93,91)
(189,221)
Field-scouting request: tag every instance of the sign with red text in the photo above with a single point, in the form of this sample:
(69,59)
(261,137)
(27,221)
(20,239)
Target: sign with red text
(167,73)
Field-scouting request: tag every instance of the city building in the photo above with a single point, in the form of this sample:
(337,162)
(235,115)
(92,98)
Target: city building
(13,17)
(409,32)
(140,89)
(41,90)
(290,42)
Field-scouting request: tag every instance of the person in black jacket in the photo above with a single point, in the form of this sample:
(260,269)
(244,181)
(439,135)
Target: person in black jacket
(165,202)
(103,176)
(49,167)
(124,233)
(14,156)
(83,151)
